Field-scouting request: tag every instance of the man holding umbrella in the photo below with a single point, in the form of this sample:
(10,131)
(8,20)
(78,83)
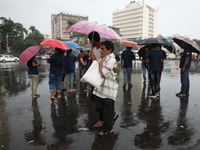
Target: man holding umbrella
(185,63)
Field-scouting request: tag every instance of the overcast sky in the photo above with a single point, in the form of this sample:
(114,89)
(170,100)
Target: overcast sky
(174,17)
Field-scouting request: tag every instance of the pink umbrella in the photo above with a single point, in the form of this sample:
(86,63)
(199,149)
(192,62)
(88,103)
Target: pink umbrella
(130,44)
(86,27)
(194,46)
(55,43)
(28,54)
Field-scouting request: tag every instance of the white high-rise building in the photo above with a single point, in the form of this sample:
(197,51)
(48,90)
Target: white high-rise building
(137,20)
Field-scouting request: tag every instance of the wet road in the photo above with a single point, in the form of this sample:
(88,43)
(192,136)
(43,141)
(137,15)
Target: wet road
(169,123)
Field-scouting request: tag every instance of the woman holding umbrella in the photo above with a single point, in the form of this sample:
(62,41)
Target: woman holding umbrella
(33,75)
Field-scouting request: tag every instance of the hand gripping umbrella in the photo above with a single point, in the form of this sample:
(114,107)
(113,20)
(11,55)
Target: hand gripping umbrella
(194,46)
(28,54)
(86,27)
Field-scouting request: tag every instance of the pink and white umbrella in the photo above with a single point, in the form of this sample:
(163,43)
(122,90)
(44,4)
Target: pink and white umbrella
(86,27)
(194,46)
(28,54)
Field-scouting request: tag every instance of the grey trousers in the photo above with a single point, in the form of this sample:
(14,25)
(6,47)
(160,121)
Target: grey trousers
(34,83)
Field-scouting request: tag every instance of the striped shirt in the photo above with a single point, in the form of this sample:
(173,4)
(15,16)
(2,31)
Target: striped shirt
(109,87)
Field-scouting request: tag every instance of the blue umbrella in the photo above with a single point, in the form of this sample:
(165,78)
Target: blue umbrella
(72,44)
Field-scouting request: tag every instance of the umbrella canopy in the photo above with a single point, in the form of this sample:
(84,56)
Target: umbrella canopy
(166,43)
(55,43)
(130,44)
(87,47)
(194,46)
(28,54)
(150,41)
(72,44)
(86,27)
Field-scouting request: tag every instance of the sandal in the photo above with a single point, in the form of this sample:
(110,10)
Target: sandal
(98,124)
(102,133)
(35,96)
(59,96)
(51,97)
(116,116)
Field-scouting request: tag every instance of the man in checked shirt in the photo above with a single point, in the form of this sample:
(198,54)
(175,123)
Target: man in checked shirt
(105,95)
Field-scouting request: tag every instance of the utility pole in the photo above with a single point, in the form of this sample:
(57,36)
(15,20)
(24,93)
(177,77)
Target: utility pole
(7,40)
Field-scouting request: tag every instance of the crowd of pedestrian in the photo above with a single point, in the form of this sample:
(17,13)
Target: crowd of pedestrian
(62,68)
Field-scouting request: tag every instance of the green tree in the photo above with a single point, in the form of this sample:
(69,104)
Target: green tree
(36,37)
(32,28)
(71,23)
(10,32)
(197,41)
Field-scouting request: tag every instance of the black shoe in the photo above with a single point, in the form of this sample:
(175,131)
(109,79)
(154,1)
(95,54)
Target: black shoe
(130,86)
(124,87)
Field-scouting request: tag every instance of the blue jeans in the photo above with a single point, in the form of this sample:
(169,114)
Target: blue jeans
(69,80)
(154,81)
(185,82)
(127,75)
(144,68)
(82,69)
(55,78)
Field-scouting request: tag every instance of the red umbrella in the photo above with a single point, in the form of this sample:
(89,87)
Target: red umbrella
(194,46)
(28,54)
(130,44)
(55,43)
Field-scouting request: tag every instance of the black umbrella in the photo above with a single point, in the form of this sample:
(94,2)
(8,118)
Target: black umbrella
(166,43)
(150,41)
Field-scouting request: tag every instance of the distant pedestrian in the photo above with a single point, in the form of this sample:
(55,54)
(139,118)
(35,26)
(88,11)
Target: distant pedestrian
(56,72)
(154,58)
(69,61)
(82,68)
(33,74)
(145,65)
(105,95)
(185,64)
(126,63)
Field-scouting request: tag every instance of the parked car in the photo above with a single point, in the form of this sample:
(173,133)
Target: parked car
(5,58)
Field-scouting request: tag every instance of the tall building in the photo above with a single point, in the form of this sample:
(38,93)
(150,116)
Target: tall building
(59,24)
(136,20)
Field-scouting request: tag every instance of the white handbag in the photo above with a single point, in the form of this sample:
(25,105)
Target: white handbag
(93,76)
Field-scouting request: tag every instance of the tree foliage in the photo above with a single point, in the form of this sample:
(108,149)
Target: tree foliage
(71,23)
(32,28)
(197,41)
(15,34)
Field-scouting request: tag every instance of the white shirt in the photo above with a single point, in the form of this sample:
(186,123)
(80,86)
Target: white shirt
(97,53)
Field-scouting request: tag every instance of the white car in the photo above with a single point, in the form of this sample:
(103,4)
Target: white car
(5,58)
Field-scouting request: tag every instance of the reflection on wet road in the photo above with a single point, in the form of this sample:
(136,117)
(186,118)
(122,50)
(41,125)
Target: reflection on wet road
(164,124)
